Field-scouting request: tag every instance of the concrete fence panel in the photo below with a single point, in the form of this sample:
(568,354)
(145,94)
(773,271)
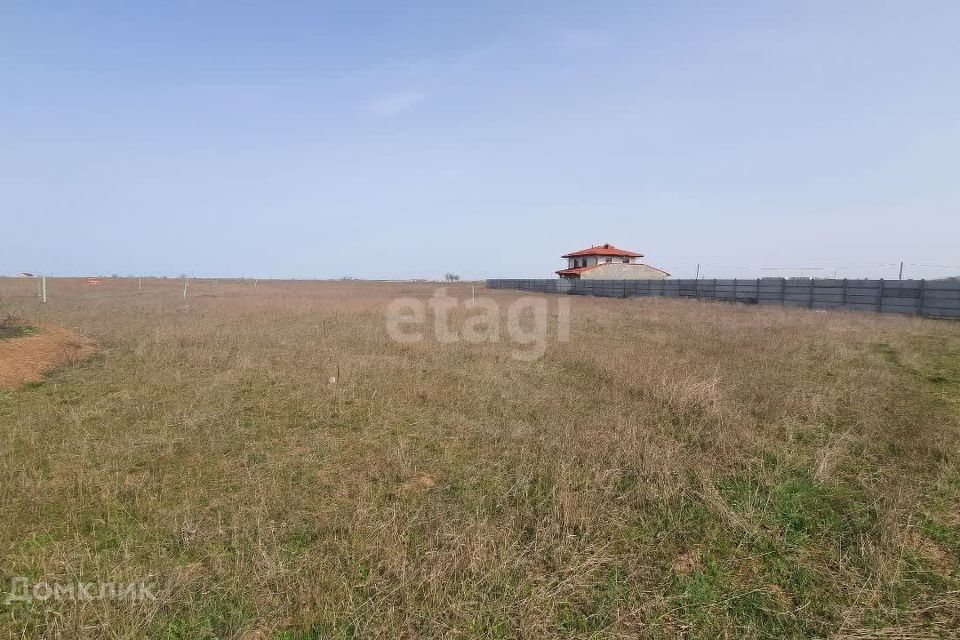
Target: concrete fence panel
(937,298)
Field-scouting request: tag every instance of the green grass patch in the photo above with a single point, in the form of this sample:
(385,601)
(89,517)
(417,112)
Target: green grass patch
(13,327)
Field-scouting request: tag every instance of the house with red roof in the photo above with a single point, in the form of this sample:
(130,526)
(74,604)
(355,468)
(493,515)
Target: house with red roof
(607,262)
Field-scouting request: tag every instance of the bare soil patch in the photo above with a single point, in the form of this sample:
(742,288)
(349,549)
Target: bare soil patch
(40,348)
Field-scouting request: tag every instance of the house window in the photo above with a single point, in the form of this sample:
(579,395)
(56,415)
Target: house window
(626,261)
(609,260)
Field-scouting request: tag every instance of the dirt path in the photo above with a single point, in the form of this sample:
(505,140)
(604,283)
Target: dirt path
(25,359)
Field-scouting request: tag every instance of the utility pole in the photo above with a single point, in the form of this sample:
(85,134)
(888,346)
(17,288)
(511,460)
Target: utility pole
(901,271)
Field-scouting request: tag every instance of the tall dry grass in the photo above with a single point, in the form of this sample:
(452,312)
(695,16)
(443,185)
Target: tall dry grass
(678,468)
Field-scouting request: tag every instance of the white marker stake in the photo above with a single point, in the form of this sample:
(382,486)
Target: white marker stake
(184,289)
(473,293)
(43,287)
(139,284)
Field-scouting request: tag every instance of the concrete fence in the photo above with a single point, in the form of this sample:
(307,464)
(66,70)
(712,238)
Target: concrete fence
(934,298)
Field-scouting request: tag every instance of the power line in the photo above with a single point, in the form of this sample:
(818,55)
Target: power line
(933,266)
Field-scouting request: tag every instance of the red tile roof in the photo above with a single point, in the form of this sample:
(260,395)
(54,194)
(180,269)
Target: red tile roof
(576,271)
(603,250)
(579,270)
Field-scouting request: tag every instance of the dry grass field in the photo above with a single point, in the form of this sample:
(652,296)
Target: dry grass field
(676,469)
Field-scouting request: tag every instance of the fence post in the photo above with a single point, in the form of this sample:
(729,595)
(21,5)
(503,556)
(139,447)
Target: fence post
(923,291)
(880,303)
(810,296)
(844,298)
(783,291)
(758,290)
(43,288)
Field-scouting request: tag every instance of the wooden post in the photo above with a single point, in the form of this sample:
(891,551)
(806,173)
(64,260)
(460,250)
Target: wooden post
(783,291)
(185,289)
(880,303)
(140,283)
(920,301)
(900,277)
(43,288)
(844,298)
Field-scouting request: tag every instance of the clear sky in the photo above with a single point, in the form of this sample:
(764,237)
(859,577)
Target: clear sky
(407,139)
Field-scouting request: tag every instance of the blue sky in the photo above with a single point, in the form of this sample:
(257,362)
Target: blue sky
(394,140)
